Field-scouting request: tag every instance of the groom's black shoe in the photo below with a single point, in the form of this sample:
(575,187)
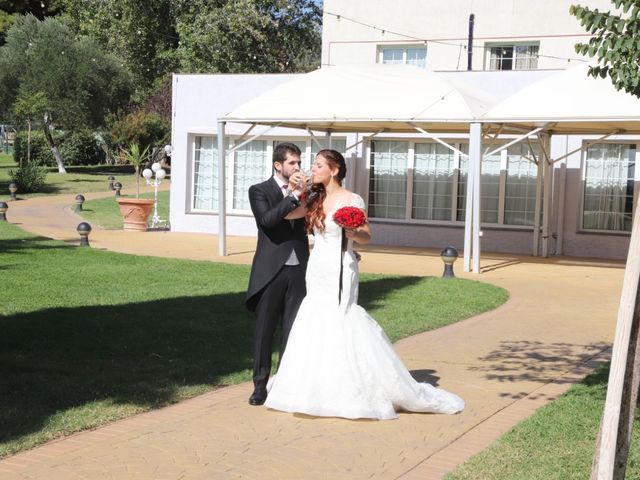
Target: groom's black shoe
(258,397)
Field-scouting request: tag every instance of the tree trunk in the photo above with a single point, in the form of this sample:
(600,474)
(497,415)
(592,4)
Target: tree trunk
(53,146)
(108,156)
(612,446)
(629,397)
(628,404)
(28,143)
(137,181)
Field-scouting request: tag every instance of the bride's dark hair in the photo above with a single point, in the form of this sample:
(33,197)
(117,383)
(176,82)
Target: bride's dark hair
(315,216)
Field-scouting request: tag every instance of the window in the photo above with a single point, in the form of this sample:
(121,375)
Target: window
(432,182)
(388,179)
(248,165)
(513,57)
(205,181)
(608,187)
(248,169)
(404,56)
(520,185)
(489,187)
(339,144)
(507,183)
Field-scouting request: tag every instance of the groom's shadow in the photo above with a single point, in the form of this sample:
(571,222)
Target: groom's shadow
(425,376)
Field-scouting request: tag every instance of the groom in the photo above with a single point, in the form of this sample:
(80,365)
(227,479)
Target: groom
(277,284)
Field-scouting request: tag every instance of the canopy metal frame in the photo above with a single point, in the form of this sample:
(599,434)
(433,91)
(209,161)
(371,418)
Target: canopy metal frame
(477,131)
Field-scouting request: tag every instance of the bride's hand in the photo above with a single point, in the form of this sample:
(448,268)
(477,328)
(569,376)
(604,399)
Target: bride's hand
(351,233)
(360,234)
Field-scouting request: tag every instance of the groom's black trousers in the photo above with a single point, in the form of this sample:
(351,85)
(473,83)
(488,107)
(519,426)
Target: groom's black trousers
(279,302)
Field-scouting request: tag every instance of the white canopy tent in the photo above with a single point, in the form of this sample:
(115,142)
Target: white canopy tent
(401,99)
(367,98)
(568,102)
(371,99)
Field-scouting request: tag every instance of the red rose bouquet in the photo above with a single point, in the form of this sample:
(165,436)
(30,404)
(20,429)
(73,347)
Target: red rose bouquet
(350,217)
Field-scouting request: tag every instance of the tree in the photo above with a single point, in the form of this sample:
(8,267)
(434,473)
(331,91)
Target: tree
(615,43)
(10,9)
(29,106)
(250,36)
(142,33)
(82,84)
(136,157)
(157,38)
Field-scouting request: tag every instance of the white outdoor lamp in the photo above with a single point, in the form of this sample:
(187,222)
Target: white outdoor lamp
(160,174)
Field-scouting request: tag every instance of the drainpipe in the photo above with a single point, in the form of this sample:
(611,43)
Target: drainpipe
(470,43)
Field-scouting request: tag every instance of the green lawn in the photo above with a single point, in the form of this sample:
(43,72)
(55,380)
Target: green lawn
(78,179)
(90,336)
(104,212)
(556,443)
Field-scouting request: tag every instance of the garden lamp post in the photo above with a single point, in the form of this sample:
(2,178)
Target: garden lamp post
(84,229)
(449,255)
(160,173)
(111,178)
(79,202)
(117,187)
(3,210)
(13,188)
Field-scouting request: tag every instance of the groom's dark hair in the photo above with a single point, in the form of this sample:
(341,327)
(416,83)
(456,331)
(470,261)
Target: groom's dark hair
(282,149)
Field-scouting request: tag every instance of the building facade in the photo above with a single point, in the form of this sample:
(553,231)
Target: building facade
(414,187)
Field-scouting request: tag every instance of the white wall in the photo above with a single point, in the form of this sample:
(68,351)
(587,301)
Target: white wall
(198,102)
(444,25)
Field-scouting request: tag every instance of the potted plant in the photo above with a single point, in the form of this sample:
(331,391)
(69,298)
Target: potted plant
(135,211)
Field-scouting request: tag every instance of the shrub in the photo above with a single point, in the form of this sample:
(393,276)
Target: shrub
(40,152)
(80,147)
(29,178)
(77,147)
(144,129)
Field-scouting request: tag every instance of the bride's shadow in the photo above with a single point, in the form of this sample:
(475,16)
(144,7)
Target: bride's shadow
(425,376)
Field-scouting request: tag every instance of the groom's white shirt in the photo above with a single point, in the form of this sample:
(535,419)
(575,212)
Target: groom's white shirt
(293,258)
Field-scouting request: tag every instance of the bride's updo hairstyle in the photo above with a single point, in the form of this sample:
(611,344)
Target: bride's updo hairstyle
(315,216)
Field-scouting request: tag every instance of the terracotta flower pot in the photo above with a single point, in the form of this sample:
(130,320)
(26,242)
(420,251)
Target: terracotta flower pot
(135,212)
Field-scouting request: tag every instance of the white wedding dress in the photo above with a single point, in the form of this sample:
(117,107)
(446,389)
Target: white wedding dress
(338,361)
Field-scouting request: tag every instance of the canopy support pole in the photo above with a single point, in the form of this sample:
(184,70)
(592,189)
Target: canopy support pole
(222,224)
(364,139)
(437,139)
(313,137)
(547,176)
(584,146)
(516,140)
(536,215)
(247,131)
(253,137)
(472,209)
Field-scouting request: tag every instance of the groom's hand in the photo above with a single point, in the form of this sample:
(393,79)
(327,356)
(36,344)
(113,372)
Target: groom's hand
(297,182)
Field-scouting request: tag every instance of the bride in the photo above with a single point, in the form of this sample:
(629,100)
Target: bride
(338,361)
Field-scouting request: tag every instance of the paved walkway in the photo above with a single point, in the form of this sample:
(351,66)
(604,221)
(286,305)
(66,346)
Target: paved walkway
(506,363)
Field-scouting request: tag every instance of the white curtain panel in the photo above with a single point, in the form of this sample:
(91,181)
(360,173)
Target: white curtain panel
(388,179)
(608,192)
(205,182)
(432,182)
(248,169)
(520,188)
